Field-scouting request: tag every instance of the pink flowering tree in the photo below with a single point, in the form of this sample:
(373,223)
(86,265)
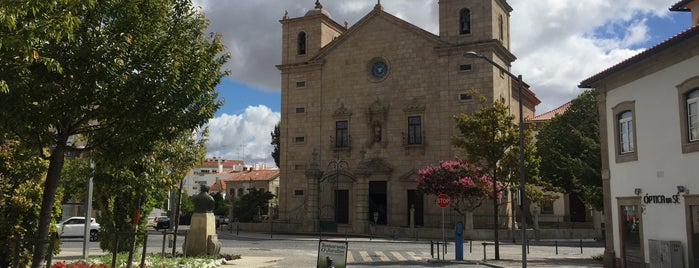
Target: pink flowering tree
(467,185)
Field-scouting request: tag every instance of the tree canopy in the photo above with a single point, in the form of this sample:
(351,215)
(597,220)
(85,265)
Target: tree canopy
(132,74)
(466,184)
(570,150)
(490,138)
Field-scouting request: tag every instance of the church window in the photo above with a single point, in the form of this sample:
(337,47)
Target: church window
(465,21)
(341,134)
(302,43)
(414,129)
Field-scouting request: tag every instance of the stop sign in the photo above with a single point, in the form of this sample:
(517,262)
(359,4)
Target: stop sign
(443,200)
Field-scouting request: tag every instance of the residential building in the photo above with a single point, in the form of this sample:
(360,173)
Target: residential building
(364,107)
(238,184)
(649,131)
(209,172)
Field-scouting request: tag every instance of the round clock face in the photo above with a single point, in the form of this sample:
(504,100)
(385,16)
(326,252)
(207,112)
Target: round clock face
(379,69)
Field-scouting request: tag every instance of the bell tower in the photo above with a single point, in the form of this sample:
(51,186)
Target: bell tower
(471,21)
(303,37)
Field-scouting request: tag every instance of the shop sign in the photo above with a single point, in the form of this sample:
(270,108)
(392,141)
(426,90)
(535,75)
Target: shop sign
(661,199)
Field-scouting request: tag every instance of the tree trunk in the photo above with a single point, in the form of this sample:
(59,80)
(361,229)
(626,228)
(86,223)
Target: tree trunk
(468,220)
(47,201)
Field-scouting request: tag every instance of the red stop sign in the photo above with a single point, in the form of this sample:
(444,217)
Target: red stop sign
(443,200)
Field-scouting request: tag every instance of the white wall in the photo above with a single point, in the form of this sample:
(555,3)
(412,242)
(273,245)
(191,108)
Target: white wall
(661,166)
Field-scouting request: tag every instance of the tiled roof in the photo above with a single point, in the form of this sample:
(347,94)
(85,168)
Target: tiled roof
(253,175)
(550,114)
(677,39)
(680,6)
(218,186)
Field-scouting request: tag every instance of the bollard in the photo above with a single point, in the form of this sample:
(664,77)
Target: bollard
(484,251)
(556,247)
(431,249)
(581,250)
(470,246)
(527,246)
(164,238)
(438,256)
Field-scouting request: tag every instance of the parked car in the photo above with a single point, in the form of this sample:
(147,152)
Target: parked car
(75,227)
(163,223)
(151,222)
(220,220)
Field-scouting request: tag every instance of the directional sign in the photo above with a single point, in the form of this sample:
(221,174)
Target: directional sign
(443,200)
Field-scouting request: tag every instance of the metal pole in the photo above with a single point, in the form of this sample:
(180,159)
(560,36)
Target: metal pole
(88,215)
(522,175)
(443,237)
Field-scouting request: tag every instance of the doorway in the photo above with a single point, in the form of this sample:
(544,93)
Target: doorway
(377,202)
(342,206)
(630,230)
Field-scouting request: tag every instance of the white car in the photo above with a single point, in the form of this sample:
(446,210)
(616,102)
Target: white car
(75,227)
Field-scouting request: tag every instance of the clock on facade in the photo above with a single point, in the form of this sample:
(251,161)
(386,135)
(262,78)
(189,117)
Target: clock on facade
(379,69)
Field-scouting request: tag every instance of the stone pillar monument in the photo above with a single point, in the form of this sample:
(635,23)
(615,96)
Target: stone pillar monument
(202,238)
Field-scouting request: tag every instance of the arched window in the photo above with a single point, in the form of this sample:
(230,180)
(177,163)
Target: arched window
(465,21)
(302,43)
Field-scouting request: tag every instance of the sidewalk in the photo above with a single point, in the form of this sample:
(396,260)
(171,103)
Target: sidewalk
(545,253)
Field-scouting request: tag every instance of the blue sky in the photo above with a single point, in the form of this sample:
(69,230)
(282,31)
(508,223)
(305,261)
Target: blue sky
(558,43)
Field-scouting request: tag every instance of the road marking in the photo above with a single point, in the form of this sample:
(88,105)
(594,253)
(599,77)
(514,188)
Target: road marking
(365,255)
(398,256)
(382,256)
(413,255)
(350,257)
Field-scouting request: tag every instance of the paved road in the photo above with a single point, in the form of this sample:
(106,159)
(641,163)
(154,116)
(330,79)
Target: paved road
(277,250)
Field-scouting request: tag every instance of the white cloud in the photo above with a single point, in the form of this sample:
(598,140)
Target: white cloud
(245,136)
(558,43)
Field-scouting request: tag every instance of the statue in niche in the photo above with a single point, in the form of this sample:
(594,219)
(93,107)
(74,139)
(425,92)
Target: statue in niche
(377,132)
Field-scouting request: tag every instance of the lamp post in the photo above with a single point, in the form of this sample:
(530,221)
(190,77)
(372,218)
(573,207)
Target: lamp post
(88,213)
(522,195)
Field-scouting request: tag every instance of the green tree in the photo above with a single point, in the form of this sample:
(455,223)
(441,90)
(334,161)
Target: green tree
(24,28)
(144,181)
(221,205)
(275,142)
(251,205)
(21,178)
(490,138)
(570,151)
(134,73)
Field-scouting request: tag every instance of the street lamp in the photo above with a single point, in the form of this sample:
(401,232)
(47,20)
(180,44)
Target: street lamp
(472,54)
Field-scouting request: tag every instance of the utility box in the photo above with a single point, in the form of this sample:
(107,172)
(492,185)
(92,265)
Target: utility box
(665,254)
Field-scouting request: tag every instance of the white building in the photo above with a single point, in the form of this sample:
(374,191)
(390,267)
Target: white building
(649,127)
(209,172)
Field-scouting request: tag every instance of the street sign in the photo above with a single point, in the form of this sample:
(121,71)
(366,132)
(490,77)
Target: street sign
(443,200)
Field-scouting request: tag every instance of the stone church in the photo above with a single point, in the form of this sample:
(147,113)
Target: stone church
(364,107)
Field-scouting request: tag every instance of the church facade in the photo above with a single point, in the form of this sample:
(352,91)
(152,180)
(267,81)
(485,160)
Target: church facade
(365,107)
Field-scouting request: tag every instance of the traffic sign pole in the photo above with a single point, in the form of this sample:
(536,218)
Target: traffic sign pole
(443,201)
